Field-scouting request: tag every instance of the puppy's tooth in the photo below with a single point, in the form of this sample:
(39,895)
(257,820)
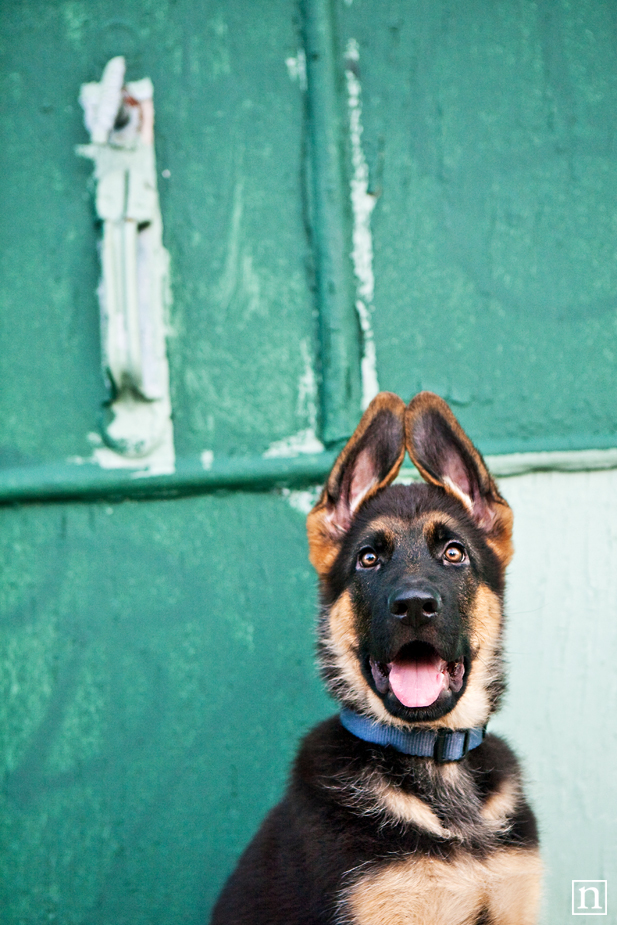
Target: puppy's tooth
(379,677)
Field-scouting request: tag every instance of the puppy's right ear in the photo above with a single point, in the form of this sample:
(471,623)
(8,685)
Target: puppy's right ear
(445,456)
(370,461)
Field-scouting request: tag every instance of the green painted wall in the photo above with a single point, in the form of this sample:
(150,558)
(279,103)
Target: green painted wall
(229,125)
(490,133)
(156,663)
(157,673)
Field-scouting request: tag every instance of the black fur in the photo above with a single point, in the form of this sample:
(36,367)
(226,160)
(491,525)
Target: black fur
(316,840)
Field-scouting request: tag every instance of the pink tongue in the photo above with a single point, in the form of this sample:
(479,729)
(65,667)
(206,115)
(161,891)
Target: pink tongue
(416,684)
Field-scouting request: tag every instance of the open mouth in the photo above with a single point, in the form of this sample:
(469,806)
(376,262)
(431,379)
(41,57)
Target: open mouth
(418,676)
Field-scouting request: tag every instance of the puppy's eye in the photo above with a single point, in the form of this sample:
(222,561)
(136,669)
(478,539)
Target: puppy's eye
(454,553)
(367,558)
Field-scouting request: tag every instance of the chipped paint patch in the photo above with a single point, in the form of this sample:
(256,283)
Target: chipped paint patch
(296,68)
(207,458)
(362,203)
(305,440)
(161,461)
(301,501)
(307,388)
(75,20)
(220,58)
(134,289)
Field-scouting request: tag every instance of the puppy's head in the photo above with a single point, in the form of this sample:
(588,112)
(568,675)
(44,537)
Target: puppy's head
(412,576)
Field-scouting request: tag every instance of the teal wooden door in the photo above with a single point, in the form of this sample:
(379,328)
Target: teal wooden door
(355,195)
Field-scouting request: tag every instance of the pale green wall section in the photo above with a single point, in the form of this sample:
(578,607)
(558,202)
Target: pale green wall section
(561,647)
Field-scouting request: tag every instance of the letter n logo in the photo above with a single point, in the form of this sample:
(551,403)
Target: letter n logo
(589,897)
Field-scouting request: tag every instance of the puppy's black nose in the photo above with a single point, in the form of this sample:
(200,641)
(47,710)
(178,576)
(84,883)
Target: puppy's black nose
(415,604)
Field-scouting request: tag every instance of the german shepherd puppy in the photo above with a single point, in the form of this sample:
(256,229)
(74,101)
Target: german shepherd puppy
(400,811)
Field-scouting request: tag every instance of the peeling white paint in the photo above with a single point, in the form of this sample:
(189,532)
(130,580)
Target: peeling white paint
(362,203)
(296,68)
(134,287)
(308,393)
(207,459)
(160,461)
(305,440)
(301,501)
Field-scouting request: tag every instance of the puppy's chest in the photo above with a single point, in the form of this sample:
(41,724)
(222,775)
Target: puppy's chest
(421,889)
(416,890)
(502,888)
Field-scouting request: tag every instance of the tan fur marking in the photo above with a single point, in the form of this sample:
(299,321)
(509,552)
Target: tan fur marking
(500,540)
(473,708)
(372,794)
(422,891)
(322,550)
(341,644)
(389,526)
(501,804)
(515,883)
(406,807)
(486,620)
(436,519)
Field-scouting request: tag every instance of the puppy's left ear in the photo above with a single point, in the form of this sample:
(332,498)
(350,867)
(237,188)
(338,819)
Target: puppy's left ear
(444,455)
(370,461)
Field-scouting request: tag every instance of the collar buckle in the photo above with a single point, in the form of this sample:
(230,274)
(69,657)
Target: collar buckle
(441,743)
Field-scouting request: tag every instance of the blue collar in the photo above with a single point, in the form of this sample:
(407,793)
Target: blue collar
(441,744)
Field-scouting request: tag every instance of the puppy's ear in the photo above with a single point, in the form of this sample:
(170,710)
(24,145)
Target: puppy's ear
(445,456)
(370,461)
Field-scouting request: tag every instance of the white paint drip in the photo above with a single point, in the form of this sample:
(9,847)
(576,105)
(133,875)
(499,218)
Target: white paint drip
(296,68)
(362,203)
(207,458)
(307,388)
(305,440)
